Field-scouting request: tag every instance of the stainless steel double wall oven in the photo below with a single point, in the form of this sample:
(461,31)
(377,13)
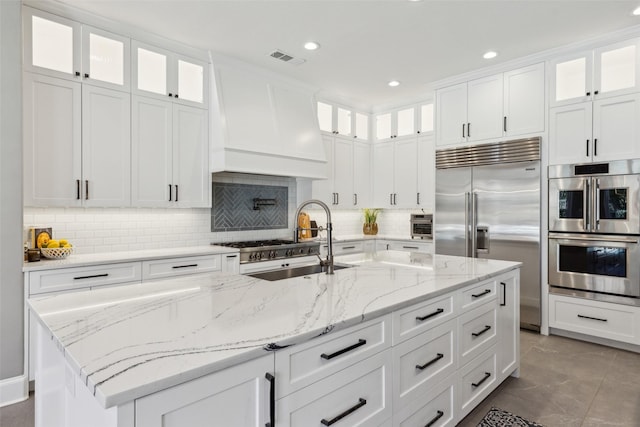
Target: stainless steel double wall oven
(594,230)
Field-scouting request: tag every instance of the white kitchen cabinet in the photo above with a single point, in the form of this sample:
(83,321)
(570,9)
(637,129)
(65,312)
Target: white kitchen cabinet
(63,48)
(395,177)
(77,144)
(524,108)
(426,172)
(607,71)
(508,347)
(348,171)
(410,246)
(451,115)
(475,381)
(231,263)
(341,120)
(169,154)
(236,396)
(405,121)
(161,73)
(172,267)
(602,130)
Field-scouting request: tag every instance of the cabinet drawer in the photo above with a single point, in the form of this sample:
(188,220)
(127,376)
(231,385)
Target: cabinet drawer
(477,380)
(162,268)
(423,361)
(600,319)
(435,408)
(424,247)
(477,295)
(301,365)
(83,277)
(347,248)
(414,320)
(477,331)
(359,396)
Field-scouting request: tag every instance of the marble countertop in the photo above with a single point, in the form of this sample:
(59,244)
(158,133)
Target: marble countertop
(129,341)
(124,256)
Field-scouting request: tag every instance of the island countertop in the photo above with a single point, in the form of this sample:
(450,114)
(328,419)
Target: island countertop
(129,341)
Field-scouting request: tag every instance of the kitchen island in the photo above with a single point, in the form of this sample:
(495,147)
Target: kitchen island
(126,356)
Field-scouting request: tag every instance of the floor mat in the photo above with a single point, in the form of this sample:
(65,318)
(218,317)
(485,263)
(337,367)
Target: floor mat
(498,418)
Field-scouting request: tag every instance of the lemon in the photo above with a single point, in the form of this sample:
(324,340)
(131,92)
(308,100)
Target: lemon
(66,246)
(53,244)
(43,239)
(63,242)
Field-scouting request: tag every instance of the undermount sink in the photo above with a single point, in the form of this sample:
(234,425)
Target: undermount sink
(288,273)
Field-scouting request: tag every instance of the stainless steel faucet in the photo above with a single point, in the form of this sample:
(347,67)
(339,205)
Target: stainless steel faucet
(329,261)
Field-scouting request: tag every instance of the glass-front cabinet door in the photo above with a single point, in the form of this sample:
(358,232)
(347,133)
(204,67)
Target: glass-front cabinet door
(616,69)
(52,44)
(105,58)
(571,79)
(151,70)
(192,81)
(406,119)
(426,118)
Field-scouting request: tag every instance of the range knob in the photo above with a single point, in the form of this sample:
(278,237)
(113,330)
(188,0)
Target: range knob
(272,254)
(301,251)
(310,251)
(289,252)
(251,256)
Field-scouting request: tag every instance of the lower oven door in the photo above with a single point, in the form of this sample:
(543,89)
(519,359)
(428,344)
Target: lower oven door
(598,263)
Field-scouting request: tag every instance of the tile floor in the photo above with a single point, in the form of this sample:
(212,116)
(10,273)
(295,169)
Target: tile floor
(563,383)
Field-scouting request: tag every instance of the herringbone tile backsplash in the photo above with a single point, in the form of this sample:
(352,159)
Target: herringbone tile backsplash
(234,207)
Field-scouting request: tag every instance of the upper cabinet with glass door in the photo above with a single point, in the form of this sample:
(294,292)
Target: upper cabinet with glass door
(342,121)
(66,49)
(164,74)
(601,73)
(405,121)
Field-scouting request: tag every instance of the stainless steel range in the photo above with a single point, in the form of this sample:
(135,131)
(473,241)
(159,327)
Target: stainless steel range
(270,250)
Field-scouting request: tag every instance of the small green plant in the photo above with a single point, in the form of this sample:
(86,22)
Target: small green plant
(371,215)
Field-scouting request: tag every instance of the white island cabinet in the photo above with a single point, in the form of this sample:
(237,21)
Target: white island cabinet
(229,350)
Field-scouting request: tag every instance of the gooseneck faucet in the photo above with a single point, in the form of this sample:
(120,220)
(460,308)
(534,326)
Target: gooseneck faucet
(329,261)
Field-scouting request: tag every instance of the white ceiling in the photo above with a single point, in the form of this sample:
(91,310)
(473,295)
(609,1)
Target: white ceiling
(366,43)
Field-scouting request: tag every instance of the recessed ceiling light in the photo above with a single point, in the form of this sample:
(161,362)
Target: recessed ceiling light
(490,54)
(636,11)
(311,45)
(394,83)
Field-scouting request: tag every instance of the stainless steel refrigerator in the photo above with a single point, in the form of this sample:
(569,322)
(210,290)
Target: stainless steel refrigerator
(488,206)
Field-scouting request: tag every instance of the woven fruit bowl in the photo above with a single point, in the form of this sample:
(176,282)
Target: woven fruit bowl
(56,253)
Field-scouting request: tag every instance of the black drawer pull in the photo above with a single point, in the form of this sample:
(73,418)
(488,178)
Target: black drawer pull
(360,404)
(360,343)
(486,291)
(91,277)
(272,400)
(477,334)
(410,247)
(592,318)
(430,362)
(185,266)
(486,377)
(232,256)
(348,247)
(434,419)
(435,313)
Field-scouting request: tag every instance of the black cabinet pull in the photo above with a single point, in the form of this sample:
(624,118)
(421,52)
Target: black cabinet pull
(477,334)
(468,130)
(77,73)
(86,75)
(427,316)
(86,189)
(394,199)
(504,294)
(430,362)
(348,247)
(417,198)
(486,291)
(95,276)
(272,400)
(595,146)
(463,130)
(170,197)
(176,192)
(587,148)
(410,247)
(337,198)
(175,96)
(504,124)
(486,376)
(360,404)
(360,343)
(595,92)
(592,318)
(588,93)
(232,256)
(434,419)
(170,95)
(185,266)
(391,198)
(78,189)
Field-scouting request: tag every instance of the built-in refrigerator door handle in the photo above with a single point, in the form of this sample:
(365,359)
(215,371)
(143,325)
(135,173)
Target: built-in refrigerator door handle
(467,251)
(474,225)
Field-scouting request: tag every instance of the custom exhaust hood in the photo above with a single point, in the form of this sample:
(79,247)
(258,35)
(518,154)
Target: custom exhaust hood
(263,123)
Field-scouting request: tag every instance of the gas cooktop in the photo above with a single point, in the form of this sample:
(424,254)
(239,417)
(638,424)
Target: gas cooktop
(264,250)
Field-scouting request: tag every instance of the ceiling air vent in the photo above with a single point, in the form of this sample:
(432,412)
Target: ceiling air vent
(285,57)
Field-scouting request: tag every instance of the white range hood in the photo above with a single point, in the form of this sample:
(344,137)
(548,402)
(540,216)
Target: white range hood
(263,123)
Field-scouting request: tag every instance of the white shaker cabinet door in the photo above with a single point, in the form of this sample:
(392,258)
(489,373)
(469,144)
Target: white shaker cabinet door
(405,173)
(383,166)
(571,79)
(524,101)
(451,115)
(484,108)
(191,182)
(106,147)
(570,134)
(361,174)
(616,131)
(151,152)
(322,189)
(343,172)
(426,173)
(508,324)
(616,69)
(52,141)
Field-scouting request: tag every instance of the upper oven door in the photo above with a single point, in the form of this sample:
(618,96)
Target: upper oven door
(569,204)
(617,204)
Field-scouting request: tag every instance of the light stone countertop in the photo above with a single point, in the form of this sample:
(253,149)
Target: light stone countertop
(129,341)
(82,260)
